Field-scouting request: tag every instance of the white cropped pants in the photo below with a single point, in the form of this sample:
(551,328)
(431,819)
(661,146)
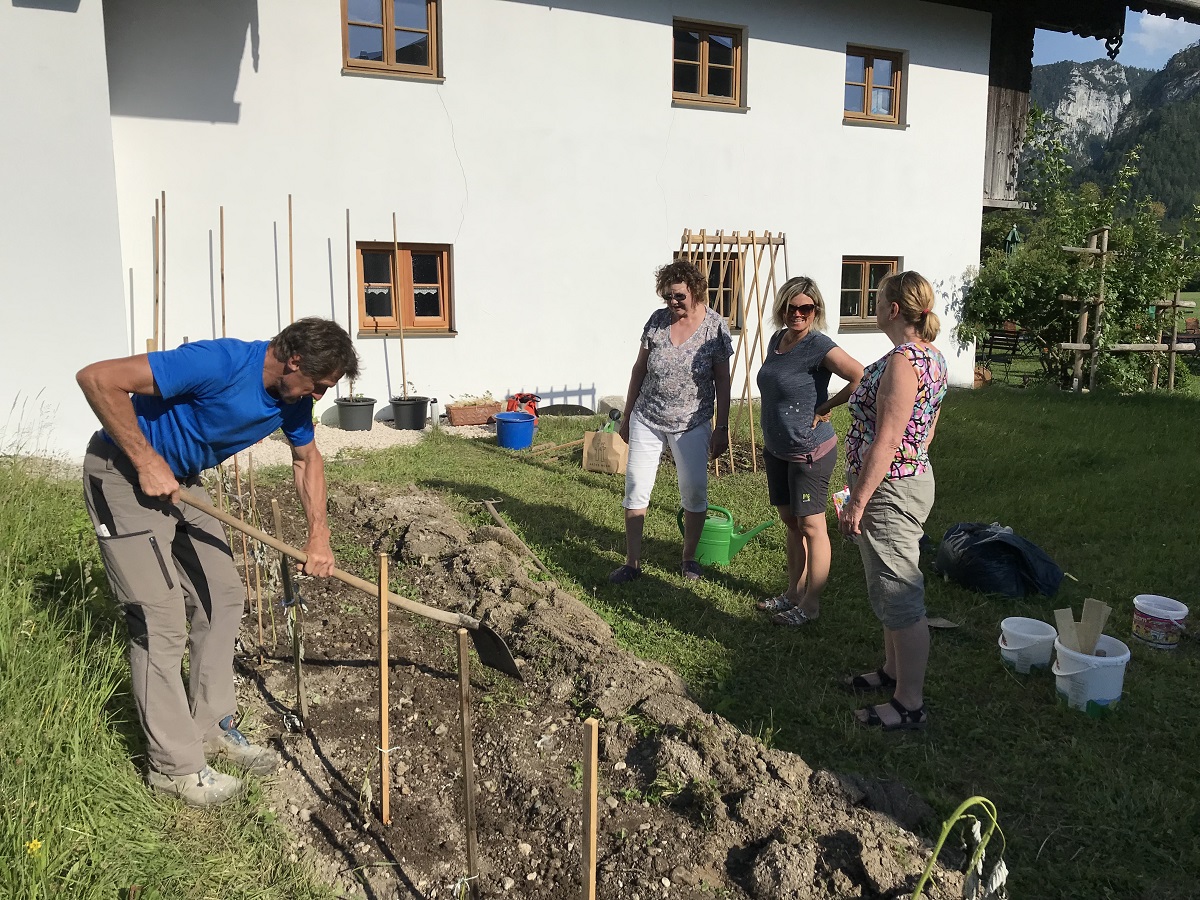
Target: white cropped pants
(690,452)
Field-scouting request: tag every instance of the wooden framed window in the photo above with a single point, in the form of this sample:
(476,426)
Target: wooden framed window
(707,64)
(873,84)
(416,293)
(860,283)
(391,36)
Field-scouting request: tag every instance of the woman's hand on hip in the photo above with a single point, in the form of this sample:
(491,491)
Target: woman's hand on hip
(818,418)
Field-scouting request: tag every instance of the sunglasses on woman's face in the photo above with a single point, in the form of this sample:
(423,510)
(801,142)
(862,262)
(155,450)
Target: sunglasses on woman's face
(805,309)
(678,298)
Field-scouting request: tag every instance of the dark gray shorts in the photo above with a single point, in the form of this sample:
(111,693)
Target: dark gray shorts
(802,486)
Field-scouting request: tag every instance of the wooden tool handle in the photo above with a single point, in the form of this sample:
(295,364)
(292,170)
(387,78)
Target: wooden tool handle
(412,606)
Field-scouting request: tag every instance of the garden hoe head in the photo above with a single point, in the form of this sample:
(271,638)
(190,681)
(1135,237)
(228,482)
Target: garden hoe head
(492,650)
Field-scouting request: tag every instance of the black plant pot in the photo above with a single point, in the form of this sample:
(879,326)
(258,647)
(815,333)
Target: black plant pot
(356,414)
(409,413)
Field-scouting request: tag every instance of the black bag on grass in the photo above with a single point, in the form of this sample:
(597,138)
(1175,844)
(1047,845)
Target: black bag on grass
(990,558)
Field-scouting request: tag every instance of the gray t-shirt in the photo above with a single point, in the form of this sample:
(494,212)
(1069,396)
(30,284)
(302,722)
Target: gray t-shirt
(678,392)
(792,385)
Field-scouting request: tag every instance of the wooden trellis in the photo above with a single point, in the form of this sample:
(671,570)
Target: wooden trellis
(1097,249)
(741,285)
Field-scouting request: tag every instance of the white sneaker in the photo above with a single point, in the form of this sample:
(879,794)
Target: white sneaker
(203,788)
(233,746)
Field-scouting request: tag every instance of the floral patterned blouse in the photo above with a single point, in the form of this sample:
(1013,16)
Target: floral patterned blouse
(913,456)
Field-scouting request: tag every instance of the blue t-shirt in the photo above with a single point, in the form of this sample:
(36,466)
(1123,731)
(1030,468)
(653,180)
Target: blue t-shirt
(214,404)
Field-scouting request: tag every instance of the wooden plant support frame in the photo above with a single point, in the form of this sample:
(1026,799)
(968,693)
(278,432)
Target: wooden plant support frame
(749,261)
(1091,348)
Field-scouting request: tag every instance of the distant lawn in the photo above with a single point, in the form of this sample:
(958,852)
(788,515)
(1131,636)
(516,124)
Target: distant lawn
(1097,809)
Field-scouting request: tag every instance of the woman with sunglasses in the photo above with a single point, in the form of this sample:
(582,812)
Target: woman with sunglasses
(679,381)
(895,412)
(799,444)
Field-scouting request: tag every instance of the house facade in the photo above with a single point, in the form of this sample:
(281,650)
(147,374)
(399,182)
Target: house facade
(234,164)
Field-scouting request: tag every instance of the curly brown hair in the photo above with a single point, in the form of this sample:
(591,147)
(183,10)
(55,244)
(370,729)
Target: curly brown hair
(682,271)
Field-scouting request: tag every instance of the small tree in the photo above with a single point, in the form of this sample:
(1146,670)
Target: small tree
(1145,262)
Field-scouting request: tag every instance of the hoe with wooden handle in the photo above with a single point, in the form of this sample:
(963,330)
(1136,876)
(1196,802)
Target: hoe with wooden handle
(492,650)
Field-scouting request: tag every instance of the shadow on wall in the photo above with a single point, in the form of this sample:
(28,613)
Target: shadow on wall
(176,60)
(54,5)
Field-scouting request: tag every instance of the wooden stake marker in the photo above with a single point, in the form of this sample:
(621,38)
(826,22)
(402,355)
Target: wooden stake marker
(385,745)
(468,759)
(591,779)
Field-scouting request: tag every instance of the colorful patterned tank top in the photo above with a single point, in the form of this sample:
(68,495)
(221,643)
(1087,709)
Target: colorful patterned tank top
(913,456)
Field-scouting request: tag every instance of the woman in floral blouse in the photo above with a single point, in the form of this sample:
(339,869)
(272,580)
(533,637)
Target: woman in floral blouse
(894,414)
(679,381)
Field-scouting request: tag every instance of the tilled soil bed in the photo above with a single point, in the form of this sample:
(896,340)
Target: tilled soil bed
(690,807)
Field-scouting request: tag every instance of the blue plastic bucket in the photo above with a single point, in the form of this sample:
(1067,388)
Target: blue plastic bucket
(514,430)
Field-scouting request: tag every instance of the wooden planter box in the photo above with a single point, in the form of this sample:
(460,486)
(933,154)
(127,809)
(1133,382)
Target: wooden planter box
(472,415)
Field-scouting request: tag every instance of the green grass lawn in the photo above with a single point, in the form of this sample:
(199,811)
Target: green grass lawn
(1103,809)
(75,819)
(1095,809)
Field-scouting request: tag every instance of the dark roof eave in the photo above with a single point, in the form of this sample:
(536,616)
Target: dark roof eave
(1188,10)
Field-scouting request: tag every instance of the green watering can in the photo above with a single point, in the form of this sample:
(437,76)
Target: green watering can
(719,541)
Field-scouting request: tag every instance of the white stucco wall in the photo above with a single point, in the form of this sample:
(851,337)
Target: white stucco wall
(60,264)
(550,158)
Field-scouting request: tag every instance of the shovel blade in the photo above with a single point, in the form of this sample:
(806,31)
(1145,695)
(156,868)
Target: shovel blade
(493,652)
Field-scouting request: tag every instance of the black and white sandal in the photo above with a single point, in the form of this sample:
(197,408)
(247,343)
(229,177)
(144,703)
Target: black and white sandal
(910,719)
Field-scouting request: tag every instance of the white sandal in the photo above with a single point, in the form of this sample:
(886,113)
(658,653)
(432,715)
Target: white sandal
(792,616)
(775,604)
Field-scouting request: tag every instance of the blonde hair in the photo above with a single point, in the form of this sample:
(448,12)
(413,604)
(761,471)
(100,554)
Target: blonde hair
(792,288)
(914,295)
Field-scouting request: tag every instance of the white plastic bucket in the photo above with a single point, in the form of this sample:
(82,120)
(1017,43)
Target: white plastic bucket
(1158,621)
(1091,683)
(1026,643)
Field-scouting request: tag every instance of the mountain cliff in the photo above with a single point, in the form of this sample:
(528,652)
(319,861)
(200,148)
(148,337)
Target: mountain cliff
(1089,99)
(1108,109)
(1164,121)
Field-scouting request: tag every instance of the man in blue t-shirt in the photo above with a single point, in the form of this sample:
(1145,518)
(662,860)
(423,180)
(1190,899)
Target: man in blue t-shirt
(166,417)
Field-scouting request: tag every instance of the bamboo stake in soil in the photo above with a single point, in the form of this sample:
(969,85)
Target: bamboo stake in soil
(488,504)
(257,569)
(591,733)
(291,270)
(163,224)
(396,302)
(222,271)
(349,276)
(152,341)
(385,776)
(237,486)
(468,760)
(292,600)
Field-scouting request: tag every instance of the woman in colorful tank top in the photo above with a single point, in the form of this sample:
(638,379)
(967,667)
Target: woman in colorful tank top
(894,414)
(799,444)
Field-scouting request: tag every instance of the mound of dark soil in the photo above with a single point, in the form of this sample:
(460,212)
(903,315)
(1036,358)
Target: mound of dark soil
(689,806)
